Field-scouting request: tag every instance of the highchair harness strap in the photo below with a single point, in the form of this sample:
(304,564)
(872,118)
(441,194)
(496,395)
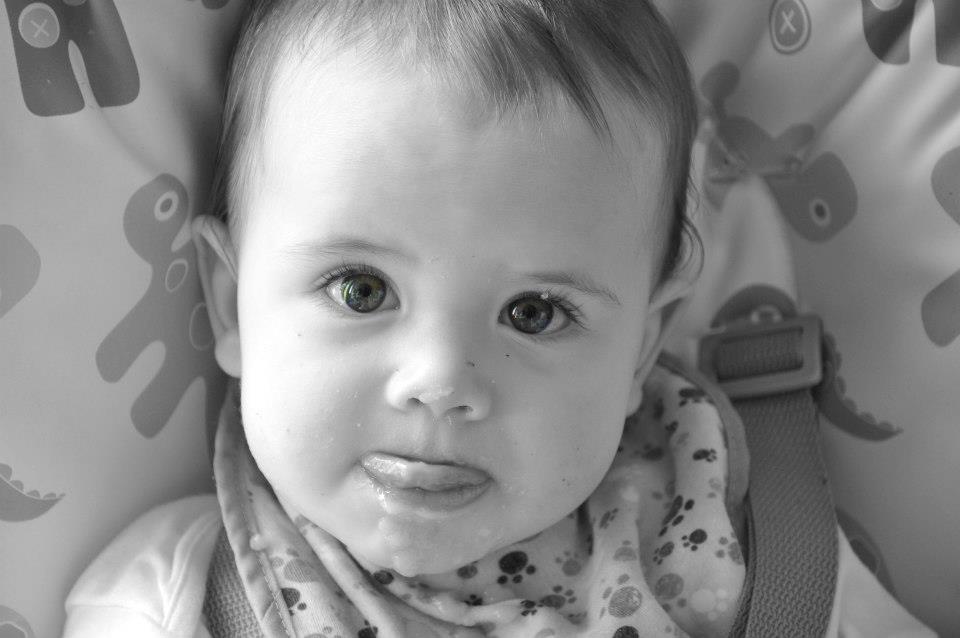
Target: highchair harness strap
(768,371)
(226,610)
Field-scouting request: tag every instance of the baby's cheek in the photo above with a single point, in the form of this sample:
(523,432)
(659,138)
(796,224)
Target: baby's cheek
(565,464)
(310,464)
(584,424)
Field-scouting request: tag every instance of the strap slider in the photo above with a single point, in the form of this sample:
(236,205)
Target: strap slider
(761,359)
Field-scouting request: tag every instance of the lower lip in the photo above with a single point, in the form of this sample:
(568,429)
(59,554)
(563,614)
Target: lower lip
(446,500)
(413,484)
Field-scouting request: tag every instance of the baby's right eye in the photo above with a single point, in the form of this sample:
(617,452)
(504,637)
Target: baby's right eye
(360,291)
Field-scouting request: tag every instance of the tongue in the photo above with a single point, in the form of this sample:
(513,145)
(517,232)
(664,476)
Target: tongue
(403,473)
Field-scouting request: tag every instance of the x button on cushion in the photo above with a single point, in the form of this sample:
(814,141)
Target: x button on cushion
(789,25)
(39,26)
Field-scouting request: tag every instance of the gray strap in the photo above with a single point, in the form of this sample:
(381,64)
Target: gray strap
(793,528)
(791,523)
(225,607)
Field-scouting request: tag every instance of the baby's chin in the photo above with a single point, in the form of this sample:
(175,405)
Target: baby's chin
(413,547)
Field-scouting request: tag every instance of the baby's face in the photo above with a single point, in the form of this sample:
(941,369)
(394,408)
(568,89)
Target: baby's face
(440,318)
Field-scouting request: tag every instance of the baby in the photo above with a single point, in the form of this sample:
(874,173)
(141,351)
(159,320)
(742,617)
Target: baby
(449,241)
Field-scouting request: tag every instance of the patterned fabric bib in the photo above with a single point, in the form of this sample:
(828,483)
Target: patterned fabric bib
(654,551)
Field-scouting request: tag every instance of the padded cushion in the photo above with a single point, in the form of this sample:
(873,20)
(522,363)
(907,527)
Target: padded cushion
(829,177)
(107,381)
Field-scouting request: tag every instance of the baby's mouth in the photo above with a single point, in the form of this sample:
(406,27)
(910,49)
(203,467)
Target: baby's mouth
(405,473)
(439,486)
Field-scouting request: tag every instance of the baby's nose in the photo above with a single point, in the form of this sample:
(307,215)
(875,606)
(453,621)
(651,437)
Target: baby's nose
(443,387)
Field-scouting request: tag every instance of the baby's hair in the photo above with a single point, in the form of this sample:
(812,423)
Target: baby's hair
(507,53)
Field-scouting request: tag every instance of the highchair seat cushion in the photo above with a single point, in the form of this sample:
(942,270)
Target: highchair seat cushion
(110,114)
(828,178)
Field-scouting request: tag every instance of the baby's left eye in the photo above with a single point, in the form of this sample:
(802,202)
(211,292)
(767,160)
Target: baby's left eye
(536,315)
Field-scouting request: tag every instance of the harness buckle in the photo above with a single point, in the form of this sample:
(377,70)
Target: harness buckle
(762,359)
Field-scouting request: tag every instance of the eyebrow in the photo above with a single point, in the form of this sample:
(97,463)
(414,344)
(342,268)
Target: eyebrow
(579,281)
(343,245)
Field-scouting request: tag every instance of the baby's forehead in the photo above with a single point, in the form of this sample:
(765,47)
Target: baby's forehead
(351,87)
(369,130)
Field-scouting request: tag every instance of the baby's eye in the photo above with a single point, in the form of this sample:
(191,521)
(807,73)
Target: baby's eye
(361,292)
(536,314)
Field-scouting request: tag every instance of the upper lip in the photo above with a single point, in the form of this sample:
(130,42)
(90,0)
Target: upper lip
(404,472)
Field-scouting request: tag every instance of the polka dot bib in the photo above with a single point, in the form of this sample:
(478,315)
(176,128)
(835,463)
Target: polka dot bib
(654,551)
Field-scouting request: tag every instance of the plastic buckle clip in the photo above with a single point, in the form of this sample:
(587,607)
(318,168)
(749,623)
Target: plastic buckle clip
(807,375)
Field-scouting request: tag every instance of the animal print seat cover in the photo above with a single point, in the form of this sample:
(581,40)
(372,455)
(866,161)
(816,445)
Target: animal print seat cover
(654,551)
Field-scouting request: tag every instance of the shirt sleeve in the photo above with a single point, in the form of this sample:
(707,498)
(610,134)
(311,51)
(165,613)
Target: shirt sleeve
(151,579)
(862,608)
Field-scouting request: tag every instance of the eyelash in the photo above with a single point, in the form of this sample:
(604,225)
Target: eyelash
(346,269)
(571,309)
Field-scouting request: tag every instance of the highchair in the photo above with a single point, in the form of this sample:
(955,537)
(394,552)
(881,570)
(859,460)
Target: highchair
(827,184)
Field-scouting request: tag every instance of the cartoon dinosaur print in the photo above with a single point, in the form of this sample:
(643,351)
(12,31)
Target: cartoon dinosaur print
(940,309)
(754,304)
(19,267)
(759,303)
(841,410)
(17,504)
(818,198)
(14,625)
(42,33)
(170,311)
(887,25)
(866,549)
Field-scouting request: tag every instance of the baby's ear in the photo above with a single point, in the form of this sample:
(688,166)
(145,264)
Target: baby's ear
(217,261)
(663,313)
